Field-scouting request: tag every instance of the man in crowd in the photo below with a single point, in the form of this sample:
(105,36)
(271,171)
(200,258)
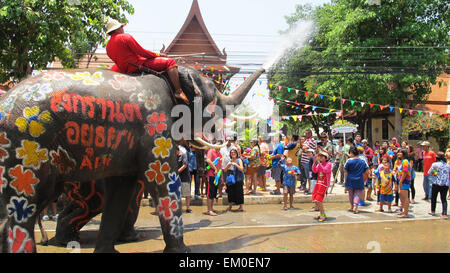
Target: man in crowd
(310,143)
(368,152)
(277,154)
(429,157)
(358,142)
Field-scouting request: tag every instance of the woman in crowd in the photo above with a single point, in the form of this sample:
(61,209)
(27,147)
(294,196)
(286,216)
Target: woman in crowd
(253,167)
(412,161)
(441,172)
(356,170)
(403,171)
(234,185)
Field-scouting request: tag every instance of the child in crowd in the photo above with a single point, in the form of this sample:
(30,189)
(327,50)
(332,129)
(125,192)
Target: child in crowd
(385,185)
(321,167)
(370,181)
(290,173)
(313,180)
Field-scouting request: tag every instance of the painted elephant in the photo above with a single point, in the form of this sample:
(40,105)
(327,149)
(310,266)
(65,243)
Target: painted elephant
(75,125)
(85,201)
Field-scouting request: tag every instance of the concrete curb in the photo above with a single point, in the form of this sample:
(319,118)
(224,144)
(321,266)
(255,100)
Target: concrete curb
(262,199)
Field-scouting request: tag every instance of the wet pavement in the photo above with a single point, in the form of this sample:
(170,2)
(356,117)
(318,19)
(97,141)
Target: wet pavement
(265,228)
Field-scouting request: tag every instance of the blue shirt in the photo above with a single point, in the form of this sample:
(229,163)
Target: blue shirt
(289,178)
(277,151)
(356,167)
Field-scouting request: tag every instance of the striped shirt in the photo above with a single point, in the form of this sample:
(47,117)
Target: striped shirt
(311,143)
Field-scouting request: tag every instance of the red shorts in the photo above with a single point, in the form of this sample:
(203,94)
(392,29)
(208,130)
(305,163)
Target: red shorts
(319,193)
(160,63)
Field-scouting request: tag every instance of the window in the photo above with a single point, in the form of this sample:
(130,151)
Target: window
(384,129)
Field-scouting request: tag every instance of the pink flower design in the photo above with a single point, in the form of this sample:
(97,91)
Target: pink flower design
(156,123)
(166,207)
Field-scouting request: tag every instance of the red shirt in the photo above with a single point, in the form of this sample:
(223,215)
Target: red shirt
(428,159)
(122,48)
(212,155)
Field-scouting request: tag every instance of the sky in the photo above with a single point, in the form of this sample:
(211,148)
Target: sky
(247,29)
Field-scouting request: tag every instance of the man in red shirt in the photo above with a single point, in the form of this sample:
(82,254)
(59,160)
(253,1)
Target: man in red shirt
(428,158)
(123,49)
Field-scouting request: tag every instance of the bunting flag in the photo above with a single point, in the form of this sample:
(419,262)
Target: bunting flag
(322,96)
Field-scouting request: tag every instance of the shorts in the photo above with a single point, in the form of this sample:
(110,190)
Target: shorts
(160,63)
(211,191)
(261,170)
(368,184)
(276,173)
(288,189)
(386,198)
(405,186)
(252,170)
(319,193)
(185,189)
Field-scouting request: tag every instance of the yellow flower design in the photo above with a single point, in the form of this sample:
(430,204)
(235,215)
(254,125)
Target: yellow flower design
(33,121)
(163,147)
(87,78)
(31,154)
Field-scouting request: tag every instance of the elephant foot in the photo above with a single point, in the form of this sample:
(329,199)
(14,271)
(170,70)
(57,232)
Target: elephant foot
(109,249)
(177,249)
(63,240)
(131,236)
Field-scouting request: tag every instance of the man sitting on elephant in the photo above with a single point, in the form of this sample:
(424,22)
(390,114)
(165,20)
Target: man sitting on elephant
(123,49)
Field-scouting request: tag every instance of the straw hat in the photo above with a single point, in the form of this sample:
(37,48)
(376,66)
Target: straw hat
(324,153)
(112,25)
(425,143)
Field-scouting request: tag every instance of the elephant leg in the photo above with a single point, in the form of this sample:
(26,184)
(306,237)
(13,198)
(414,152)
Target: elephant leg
(129,234)
(85,202)
(118,193)
(168,206)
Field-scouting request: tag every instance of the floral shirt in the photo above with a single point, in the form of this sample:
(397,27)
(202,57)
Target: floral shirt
(441,171)
(254,160)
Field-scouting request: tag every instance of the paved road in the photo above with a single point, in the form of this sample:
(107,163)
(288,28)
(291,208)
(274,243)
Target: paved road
(267,228)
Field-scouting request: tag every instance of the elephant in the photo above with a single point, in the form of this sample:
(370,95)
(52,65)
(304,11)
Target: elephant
(85,201)
(95,124)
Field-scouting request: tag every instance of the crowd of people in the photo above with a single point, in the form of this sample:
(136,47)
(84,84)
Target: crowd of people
(383,172)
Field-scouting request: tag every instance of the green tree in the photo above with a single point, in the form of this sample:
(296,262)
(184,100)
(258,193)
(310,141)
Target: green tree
(387,54)
(34,32)
(427,126)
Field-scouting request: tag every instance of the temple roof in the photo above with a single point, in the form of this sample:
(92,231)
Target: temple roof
(194,37)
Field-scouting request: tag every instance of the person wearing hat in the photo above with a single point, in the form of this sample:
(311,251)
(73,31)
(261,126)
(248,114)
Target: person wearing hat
(322,167)
(123,49)
(429,157)
(395,143)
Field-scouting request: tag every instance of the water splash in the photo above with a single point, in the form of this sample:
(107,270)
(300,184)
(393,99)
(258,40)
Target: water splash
(293,40)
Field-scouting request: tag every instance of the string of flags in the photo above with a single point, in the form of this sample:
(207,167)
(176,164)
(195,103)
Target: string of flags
(362,103)
(295,104)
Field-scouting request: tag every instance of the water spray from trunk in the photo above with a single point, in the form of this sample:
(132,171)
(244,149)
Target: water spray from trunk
(293,40)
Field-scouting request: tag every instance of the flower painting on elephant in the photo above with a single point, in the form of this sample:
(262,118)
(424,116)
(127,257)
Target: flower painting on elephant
(102,127)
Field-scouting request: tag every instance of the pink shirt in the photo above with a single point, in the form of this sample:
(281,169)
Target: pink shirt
(325,169)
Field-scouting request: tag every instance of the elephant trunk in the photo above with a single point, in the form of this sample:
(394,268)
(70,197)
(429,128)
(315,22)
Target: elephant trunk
(239,94)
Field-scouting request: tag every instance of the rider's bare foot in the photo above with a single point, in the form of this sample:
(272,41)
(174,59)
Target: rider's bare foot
(179,94)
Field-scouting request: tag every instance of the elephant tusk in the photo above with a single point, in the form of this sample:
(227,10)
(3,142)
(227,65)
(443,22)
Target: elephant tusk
(205,143)
(198,147)
(233,116)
